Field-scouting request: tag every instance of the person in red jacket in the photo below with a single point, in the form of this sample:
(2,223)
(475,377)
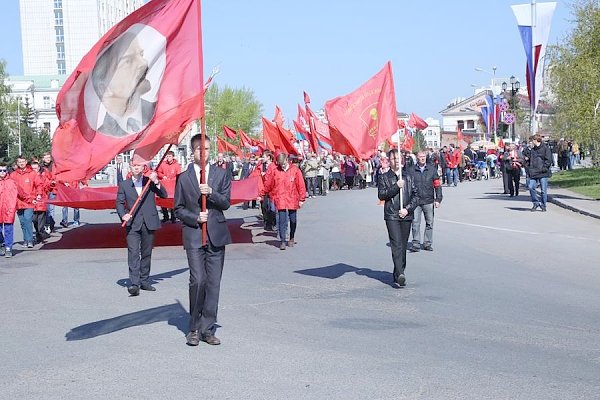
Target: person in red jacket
(452,161)
(27,192)
(39,208)
(168,170)
(286,187)
(8,206)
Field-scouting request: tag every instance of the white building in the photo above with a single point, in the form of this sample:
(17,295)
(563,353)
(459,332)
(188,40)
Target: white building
(56,34)
(433,133)
(40,93)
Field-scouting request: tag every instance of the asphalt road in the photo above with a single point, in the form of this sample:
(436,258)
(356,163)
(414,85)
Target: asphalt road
(506,307)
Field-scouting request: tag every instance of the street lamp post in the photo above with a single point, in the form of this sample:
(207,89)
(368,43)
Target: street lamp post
(492,86)
(515,85)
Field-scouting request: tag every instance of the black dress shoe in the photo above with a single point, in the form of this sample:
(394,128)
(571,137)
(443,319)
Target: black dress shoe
(148,287)
(400,280)
(543,208)
(533,208)
(192,338)
(134,290)
(211,339)
(428,248)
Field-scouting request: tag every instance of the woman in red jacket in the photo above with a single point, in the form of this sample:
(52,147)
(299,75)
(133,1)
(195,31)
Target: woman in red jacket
(27,191)
(39,206)
(285,185)
(8,207)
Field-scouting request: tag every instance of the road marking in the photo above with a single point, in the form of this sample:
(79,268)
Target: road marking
(488,227)
(497,228)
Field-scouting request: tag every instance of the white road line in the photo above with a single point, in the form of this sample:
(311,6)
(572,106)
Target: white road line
(497,228)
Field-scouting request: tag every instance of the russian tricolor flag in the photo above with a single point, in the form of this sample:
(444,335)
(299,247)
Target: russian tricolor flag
(534,22)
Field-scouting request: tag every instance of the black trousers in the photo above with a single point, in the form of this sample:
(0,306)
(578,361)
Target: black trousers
(206,269)
(398,232)
(39,221)
(505,179)
(514,177)
(139,254)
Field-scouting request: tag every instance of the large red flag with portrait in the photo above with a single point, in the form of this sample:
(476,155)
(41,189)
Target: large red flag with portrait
(366,117)
(137,88)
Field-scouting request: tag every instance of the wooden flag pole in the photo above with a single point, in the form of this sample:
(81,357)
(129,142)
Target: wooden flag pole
(400,169)
(203,174)
(146,187)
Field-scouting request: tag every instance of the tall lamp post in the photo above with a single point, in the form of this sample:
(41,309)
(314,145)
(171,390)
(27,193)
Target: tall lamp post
(492,87)
(515,85)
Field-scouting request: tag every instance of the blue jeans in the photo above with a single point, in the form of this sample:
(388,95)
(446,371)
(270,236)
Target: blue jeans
(282,223)
(452,175)
(427,211)
(50,211)
(6,235)
(65,215)
(26,220)
(533,183)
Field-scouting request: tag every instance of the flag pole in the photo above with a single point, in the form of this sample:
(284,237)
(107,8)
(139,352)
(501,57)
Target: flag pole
(400,169)
(203,138)
(146,187)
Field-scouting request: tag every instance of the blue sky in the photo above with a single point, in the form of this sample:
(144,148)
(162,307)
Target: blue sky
(279,48)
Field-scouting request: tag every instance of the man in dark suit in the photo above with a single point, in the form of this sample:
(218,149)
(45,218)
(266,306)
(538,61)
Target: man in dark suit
(205,260)
(141,224)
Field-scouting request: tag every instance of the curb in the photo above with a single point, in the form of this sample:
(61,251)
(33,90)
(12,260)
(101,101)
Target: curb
(561,204)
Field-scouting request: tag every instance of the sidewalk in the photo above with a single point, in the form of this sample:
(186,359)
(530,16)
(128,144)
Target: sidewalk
(574,201)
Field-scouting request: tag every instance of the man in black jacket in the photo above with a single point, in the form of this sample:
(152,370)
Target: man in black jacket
(206,255)
(141,224)
(397,211)
(539,159)
(427,182)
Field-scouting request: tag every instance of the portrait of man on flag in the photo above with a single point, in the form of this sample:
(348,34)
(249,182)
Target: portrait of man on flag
(120,96)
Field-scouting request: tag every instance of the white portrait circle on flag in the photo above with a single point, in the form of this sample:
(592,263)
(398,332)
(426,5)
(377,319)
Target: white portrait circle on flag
(121,92)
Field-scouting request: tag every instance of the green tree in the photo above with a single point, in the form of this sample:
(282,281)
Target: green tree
(236,108)
(7,119)
(420,143)
(575,78)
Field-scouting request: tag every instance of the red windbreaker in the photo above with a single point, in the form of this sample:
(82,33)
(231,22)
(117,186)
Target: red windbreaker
(8,200)
(286,188)
(452,160)
(168,171)
(27,186)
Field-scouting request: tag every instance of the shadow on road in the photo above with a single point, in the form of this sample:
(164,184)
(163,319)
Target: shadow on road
(518,208)
(337,270)
(124,282)
(174,314)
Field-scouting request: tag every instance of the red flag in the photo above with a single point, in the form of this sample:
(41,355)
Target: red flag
(401,124)
(138,87)
(300,128)
(275,139)
(312,131)
(249,142)
(306,98)
(414,121)
(278,119)
(301,118)
(229,133)
(409,141)
(224,146)
(365,117)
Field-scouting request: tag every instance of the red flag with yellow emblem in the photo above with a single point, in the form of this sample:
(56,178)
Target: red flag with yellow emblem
(366,117)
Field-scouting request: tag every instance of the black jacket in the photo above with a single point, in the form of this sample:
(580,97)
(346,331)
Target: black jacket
(424,182)
(540,161)
(146,209)
(388,190)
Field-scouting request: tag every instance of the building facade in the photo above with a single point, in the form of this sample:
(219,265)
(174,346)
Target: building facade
(56,34)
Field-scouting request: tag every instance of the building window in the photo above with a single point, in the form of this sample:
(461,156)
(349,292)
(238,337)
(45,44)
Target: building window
(470,124)
(47,126)
(58,17)
(60,34)
(57,3)
(60,51)
(461,124)
(47,103)
(62,67)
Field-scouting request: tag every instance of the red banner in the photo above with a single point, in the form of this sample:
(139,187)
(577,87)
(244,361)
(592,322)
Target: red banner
(276,139)
(366,117)
(137,88)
